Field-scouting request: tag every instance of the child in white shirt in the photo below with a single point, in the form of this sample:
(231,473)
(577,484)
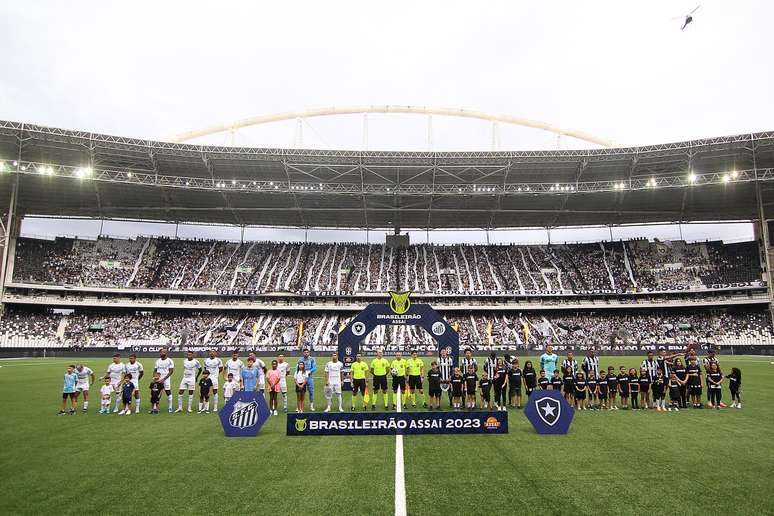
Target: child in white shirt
(230,387)
(106,391)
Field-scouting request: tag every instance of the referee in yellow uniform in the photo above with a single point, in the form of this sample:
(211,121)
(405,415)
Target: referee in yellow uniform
(398,366)
(415,369)
(359,370)
(379,367)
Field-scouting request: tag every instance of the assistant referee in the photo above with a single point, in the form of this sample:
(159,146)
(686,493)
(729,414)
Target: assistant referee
(359,370)
(415,369)
(379,367)
(398,365)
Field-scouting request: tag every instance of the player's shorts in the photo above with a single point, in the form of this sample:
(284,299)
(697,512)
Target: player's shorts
(126,399)
(358,385)
(189,383)
(380,382)
(415,382)
(434,392)
(514,390)
(214,379)
(335,387)
(580,395)
(602,395)
(167,384)
(486,394)
(694,390)
(82,386)
(456,393)
(66,395)
(644,388)
(136,384)
(399,381)
(283,386)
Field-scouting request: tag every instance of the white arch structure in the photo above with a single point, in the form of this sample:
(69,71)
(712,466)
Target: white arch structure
(413,110)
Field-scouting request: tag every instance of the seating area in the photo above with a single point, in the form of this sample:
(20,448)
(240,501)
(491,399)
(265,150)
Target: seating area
(291,331)
(177,264)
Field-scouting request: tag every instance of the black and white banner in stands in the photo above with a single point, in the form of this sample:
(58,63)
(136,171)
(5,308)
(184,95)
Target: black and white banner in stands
(394,423)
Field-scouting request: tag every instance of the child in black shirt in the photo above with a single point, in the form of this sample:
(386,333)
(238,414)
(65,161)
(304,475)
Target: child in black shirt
(634,388)
(543,382)
(644,388)
(580,391)
(658,390)
(714,381)
(457,383)
(623,387)
(602,390)
(591,385)
(530,378)
(674,392)
(556,381)
(156,388)
(735,384)
(471,380)
(612,386)
(485,384)
(205,386)
(569,385)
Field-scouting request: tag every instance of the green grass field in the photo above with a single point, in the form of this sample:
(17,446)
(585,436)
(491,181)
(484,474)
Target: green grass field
(692,462)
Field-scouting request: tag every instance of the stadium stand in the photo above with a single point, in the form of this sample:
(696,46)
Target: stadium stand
(176,264)
(291,331)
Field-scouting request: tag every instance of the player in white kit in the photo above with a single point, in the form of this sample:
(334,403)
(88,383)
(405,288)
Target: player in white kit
(261,366)
(116,371)
(284,369)
(85,379)
(234,366)
(165,366)
(191,371)
(333,371)
(214,365)
(135,368)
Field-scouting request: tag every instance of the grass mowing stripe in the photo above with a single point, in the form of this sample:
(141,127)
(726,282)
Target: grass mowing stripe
(400,477)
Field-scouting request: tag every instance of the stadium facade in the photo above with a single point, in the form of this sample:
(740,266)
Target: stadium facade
(265,295)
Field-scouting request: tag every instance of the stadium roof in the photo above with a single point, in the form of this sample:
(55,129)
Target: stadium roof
(76,173)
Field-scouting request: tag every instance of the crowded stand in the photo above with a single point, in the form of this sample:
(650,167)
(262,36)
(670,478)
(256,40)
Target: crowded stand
(176,264)
(292,331)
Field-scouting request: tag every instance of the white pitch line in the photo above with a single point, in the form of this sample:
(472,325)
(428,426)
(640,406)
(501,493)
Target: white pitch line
(400,477)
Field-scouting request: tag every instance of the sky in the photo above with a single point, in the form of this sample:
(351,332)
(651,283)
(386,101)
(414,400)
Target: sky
(619,70)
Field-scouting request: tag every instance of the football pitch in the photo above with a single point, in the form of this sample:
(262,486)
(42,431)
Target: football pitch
(620,462)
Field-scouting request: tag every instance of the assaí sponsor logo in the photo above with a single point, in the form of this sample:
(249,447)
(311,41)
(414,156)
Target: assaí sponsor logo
(492,423)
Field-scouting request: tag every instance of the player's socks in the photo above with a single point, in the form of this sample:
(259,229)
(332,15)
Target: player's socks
(137,406)
(341,402)
(118,403)
(201,405)
(285,401)
(180,402)
(85,405)
(190,402)
(215,402)
(386,400)
(169,402)
(414,398)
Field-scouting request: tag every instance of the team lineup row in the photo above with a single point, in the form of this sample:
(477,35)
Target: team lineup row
(585,386)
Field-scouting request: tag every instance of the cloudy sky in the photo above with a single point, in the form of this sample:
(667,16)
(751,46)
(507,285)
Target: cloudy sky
(620,70)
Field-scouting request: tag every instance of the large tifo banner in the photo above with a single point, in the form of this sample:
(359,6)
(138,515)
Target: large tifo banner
(394,423)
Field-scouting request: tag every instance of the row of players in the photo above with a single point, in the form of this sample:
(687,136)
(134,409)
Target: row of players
(587,389)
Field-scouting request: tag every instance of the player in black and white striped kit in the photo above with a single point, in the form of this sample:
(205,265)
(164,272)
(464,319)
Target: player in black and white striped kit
(591,363)
(468,361)
(570,363)
(491,365)
(446,366)
(650,365)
